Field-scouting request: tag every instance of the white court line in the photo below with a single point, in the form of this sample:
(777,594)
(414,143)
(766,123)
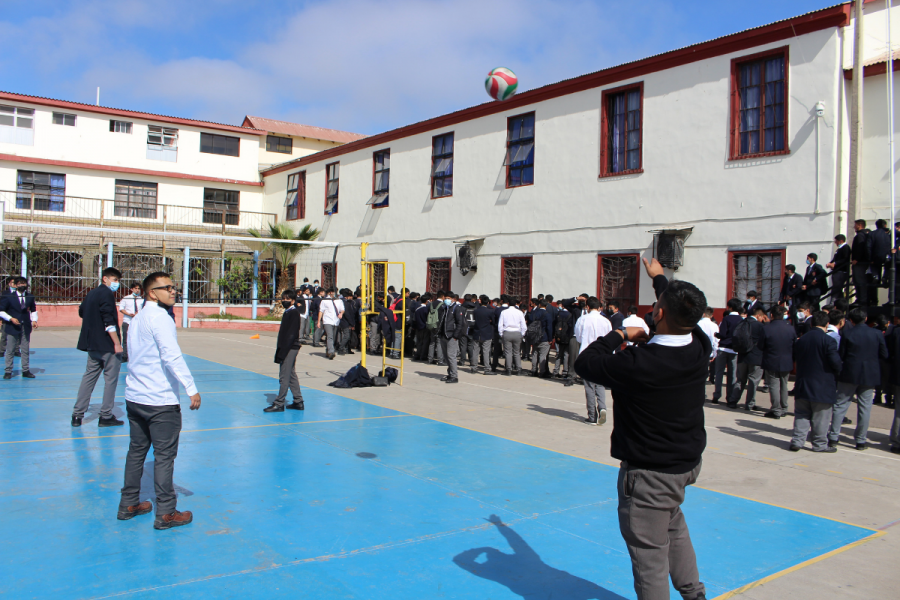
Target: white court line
(487,387)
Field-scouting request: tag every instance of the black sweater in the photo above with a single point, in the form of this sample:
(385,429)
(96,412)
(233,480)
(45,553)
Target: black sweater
(658,394)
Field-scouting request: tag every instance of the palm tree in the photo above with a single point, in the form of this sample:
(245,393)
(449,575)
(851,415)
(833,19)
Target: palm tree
(285,254)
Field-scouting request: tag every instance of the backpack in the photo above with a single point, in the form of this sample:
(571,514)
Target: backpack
(394,305)
(741,338)
(434,319)
(470,319)
(535,332)
(561,329)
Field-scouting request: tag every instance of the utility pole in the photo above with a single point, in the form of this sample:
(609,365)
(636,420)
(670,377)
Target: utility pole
(856,121)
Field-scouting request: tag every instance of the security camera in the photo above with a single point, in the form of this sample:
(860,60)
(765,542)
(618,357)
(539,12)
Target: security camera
(820,109)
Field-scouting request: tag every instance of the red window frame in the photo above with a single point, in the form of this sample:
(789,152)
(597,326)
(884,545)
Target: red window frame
(300,199)
(734,149)
(534,140)
(729,291)
(440,157)
(387,152)
(323,277)
(605,97)
(430,288)
(503,261)
(327,181)
(637,278)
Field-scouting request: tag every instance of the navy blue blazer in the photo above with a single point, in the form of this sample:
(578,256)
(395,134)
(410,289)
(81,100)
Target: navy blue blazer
(778,346)
(11,305)
(616,320)
(483,330)
(757,335)
(790,287)
(860,350)
(98,311)
(818,364)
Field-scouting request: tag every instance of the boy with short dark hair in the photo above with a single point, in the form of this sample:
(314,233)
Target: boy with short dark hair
(286,349)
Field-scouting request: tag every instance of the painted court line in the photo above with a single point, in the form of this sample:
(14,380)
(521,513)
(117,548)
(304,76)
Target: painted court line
(202,393)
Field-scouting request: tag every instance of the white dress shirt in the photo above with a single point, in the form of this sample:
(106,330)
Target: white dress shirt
(132,304)
(673,341)
(512,319)
(21,299)
(330,308)
(589,327)
(710,329)
(156,366)
(636,321)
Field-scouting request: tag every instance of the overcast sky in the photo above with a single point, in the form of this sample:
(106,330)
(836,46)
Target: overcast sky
(347,64)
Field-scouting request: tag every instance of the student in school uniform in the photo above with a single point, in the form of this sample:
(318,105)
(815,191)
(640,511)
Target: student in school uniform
(19,315)
(286,349)
(129,307)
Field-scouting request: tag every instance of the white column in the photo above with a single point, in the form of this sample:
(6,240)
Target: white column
(255,291)
(24,272)
(186,270)
(109,255)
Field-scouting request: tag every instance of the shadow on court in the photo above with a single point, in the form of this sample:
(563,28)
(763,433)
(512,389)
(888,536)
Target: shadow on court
(524,573)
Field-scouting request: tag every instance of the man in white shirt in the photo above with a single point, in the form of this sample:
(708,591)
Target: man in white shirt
(591,326)
(330,312)
(710,329)
(10,290)
(633,320)
(512,328)
(19,314)
(152,392)
(129,307)
(303,306)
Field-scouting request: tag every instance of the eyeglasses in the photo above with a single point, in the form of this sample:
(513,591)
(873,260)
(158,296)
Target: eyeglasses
(168,288)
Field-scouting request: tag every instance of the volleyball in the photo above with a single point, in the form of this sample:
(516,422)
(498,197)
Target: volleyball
(501,83)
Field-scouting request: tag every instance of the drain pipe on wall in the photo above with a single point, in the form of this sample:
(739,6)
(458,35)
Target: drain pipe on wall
(820,112)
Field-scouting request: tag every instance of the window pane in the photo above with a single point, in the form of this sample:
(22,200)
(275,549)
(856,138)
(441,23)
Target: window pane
(8,110)
(57,119)
(24,122)
(7,120)
(448,186)
(634,100)
(528,175)
(206,143)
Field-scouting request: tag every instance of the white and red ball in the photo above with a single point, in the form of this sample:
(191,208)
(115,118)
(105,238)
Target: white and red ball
(501,83)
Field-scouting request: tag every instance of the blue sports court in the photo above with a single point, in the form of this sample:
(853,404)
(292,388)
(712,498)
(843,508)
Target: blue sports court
(344,500)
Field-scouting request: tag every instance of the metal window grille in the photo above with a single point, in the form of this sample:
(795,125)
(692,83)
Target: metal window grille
(517,277)
(135,199)
(329,275)
(762,91)
(438,276)
(135,266)
(10,264)
(760,272)
(63,276)
(378,276)
(619,280)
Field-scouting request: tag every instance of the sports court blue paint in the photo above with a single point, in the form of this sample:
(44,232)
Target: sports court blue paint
(294,505)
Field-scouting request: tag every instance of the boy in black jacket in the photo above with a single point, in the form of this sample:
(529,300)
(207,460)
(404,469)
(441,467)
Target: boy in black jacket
(286,350)
(658,394)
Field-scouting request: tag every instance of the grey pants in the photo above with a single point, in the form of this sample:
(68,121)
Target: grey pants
(22,343)
(656,533)
(748,378)
(539,354)
(596,398)
(434,346)
(287,378)
(97,362)
(726,365)
(330,331)
(463,350)
(512,349)
(304,327)
(482,348)
(3,337)
(895,427)
(373,341)
(778,391)
(562,360)
(815,415)
(343,344)
(317,334)
(864,398)
(160,427)
(125,340)
(450,348)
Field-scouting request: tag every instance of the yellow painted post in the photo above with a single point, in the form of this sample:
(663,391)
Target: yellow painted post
(364,276)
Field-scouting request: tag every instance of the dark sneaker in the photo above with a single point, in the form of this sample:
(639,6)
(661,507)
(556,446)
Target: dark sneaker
(273,408)
(846,421)
(827,450)
(175,519)
(714,401)
(569,383)
(76,421)
(590,421)
(109,422)
(895,449)
(451,380)
(861,446)
(131,512)
(7,376)
(832,444)
(794,448)
(296,405)
(27,374)
(772,415)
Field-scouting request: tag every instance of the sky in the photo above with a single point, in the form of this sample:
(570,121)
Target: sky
(356,65)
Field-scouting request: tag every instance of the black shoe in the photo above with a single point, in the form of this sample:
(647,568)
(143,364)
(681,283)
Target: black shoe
(296,405)
(846,421)
(748,408)
(569,383)
(76,421)
(772,415)
(109,422)
(273,408)
(827,450)
(832,444)
(27,375)
(794,448)
(861,446)
(508,373)
(445,378)
(714,401)
(441,364)
(895,449)
(590,421)
(730,405)
(7,376)
(452,380)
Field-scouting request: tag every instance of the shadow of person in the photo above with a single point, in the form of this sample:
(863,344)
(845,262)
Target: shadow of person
(525,574)
(148,488)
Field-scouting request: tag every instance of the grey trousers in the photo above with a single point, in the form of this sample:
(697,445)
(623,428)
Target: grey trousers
(22,343)
(562,360)
(815,415)
(97,362)
(2,337)
(304,327)
(463,350)
(895,427)
(317,334)
(726,365)
(434,346)
(596,398)
(287,378)
(539,354)
(330,331)
(778,390)
(864,398)
(160,427)
(748,378)
(450,348)
(656,533)
(482,348)
(512,349)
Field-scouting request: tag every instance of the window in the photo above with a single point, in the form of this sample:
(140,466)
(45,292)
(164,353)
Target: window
(617,279)
(329,275)
(274,143)
(17,125)
(520,151)
(381,180)
(759,111)
(378,277)
(162,143)
(296,196)
(221,203)
(135,199)
(332,177)
(225,145)
(438,275)
(442,166)
(620,130)
(47,189)
(120,126)
(756,270)
(63,119)
(515,277)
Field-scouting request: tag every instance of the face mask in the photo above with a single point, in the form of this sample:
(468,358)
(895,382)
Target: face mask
(136,294)
(809,262)
(114,286)
(22,288)
(286,303)
(448,301)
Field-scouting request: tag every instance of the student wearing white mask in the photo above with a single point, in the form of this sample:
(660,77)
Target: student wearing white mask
(129,307)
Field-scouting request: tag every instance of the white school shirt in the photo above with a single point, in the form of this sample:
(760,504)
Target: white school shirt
(635,321)
(710,329)
(156,366)
(131,303)
(512,319)
(330,309)
(590,327)
(673,341)
(21,299)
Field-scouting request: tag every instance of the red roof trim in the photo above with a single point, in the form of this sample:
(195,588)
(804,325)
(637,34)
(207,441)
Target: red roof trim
(876,69)
(119,112)
(835,16)
(95,167)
